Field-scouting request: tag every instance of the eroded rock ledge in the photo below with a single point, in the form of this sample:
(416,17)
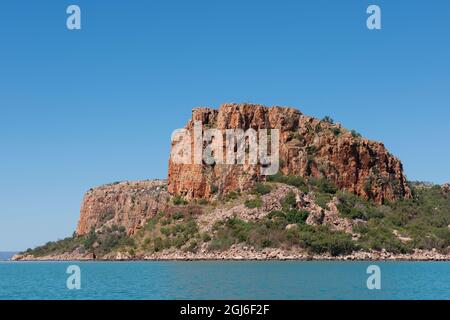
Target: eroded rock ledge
(129,204)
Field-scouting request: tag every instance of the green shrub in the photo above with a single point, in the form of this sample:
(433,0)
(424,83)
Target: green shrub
(214,189)
(322,200)
(296,216)
(221,242)
(253,203)
(368,186)
(158,244)
(336,131)
(266,243)
(276,214)
(54,247)
(311,150)
(318,128)
(191,227)
(232,195)
(179,201)
(289,201)
(111,239)
(174,233)
(128,242)
(355,134)
(354,207)
(324,186)
(276,177)
(380,236)
(179,241)
(295,181)
(321,239)
(239,229)
(377,212)
(202,202)
(341,244)
(361,228)
(262,189)
(398,219)
(193,247)
(206,237)
(165,231)
(177,216)
(90,239)
(166,221)
(328,119)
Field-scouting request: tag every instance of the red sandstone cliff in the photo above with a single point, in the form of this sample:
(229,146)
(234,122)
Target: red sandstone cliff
(308,148)
(128,204)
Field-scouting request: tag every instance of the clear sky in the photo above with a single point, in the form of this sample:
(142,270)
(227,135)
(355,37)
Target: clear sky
(83,108)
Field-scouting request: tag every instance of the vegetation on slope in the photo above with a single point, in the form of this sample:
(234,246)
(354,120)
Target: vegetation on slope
(422,222)
(100,243)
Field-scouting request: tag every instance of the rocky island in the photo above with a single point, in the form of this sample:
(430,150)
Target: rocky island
(337,195)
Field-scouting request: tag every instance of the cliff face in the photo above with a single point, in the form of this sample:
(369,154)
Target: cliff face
(308,147)
(128,204)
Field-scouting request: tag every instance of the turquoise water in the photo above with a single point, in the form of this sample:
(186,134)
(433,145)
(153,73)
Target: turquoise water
(224,280)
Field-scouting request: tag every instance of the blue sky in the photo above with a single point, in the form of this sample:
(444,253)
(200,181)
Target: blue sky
(83,108)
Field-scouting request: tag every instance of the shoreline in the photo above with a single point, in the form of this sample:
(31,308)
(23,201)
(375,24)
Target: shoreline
(231,260)
(238,254)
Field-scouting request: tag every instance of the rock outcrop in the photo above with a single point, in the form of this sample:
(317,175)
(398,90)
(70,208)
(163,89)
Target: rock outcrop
(127,204)
(329,216)
(308,148)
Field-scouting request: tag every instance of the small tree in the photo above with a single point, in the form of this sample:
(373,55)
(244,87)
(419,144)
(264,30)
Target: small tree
(355,134)
(328,119)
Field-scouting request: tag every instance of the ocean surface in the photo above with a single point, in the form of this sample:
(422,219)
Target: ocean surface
(6,255)
(224,280)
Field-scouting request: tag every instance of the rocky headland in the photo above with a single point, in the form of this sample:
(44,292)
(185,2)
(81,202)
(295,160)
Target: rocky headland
(337,196)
